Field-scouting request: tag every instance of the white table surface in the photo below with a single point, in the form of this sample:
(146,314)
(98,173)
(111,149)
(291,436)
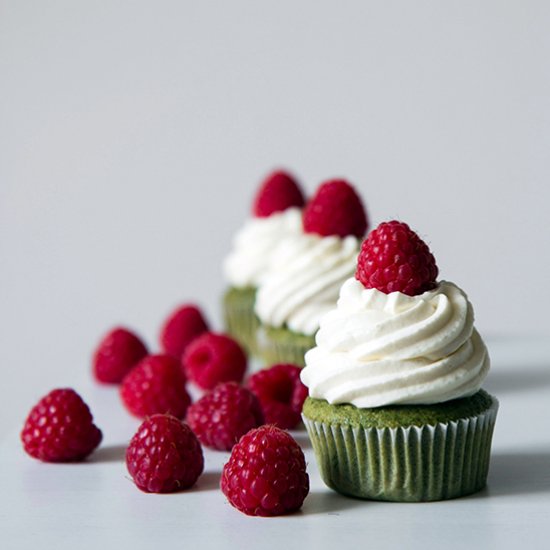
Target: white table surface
(95,505)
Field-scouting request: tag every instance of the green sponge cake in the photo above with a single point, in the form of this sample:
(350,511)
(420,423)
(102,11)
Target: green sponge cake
(395,408)
(398,416)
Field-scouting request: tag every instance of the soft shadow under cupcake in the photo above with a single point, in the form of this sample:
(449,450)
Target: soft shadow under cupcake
(517,473)
(329,502)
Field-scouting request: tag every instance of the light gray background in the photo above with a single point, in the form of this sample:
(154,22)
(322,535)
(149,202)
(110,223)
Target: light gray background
(133,136)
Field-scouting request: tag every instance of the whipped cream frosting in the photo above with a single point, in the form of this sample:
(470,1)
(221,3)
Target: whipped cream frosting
(255,243)
(377,349)
(304,280)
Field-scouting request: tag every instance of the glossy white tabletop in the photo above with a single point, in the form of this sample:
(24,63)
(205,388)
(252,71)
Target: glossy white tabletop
(95,505)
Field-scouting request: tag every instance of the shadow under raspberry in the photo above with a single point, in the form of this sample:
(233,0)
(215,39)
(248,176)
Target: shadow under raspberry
(208,481)
(108,453)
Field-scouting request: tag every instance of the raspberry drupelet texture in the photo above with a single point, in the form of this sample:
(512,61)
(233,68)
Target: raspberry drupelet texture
(213,358)
(164,455)
(155,385)
(266,473)
(335,209)
(116,354)
(60,428)
(181,327)
(222,416)
(281,394)
(394,258)
(278,192)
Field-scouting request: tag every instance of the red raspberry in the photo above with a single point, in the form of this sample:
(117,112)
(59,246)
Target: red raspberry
(278,192)
(60,428)
(281,394)
(116,354)
(213,358)
(164,455)
(155,385)
(266,473)
(394,258)
(222,416)
(181,327)
(335,209)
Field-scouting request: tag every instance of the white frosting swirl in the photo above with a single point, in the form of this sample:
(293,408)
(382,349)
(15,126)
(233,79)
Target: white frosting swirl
(379,349)
(254,244)
(304,280)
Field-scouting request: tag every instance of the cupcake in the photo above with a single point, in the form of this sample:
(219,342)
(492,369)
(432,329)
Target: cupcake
(395,408)
(276,214)
(306,273)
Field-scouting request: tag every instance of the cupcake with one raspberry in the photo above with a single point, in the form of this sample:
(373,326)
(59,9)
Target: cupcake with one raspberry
(395,408)
(277,214)
(306,273)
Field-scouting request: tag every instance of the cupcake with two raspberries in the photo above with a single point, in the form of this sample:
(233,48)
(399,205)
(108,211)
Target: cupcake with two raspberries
(277,214)
(306,272)
(395,408)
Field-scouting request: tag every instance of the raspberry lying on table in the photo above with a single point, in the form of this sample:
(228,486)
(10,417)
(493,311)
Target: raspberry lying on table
(222,416)
(181,327)
(116,354)
(164,455)
(281,394)
(60,428)
(155,385)
(266,473)
(213,358)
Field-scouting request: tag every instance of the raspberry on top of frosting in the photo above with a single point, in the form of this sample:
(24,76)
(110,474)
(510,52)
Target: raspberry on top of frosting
(336,209)
(394,258)
(277,216)
(304,279)
(396,336)
(278,192)
(306,273)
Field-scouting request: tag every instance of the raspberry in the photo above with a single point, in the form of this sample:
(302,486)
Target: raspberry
(222,416)
(281,394)
(60,428)
(164,455)
(155,385)
(278,192)
(335,209)
(213,358)
(266,473)
(394,258)
(116,354)
(181,327)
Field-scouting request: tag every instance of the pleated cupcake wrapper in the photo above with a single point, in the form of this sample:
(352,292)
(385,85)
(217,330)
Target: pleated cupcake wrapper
(410,464)
(240,320)
(283,346)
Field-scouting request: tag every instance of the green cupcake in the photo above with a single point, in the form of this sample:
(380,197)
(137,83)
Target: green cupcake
(307,273)
(240,319)
(276,216)
(395,409)
(403,453)
(281,345)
